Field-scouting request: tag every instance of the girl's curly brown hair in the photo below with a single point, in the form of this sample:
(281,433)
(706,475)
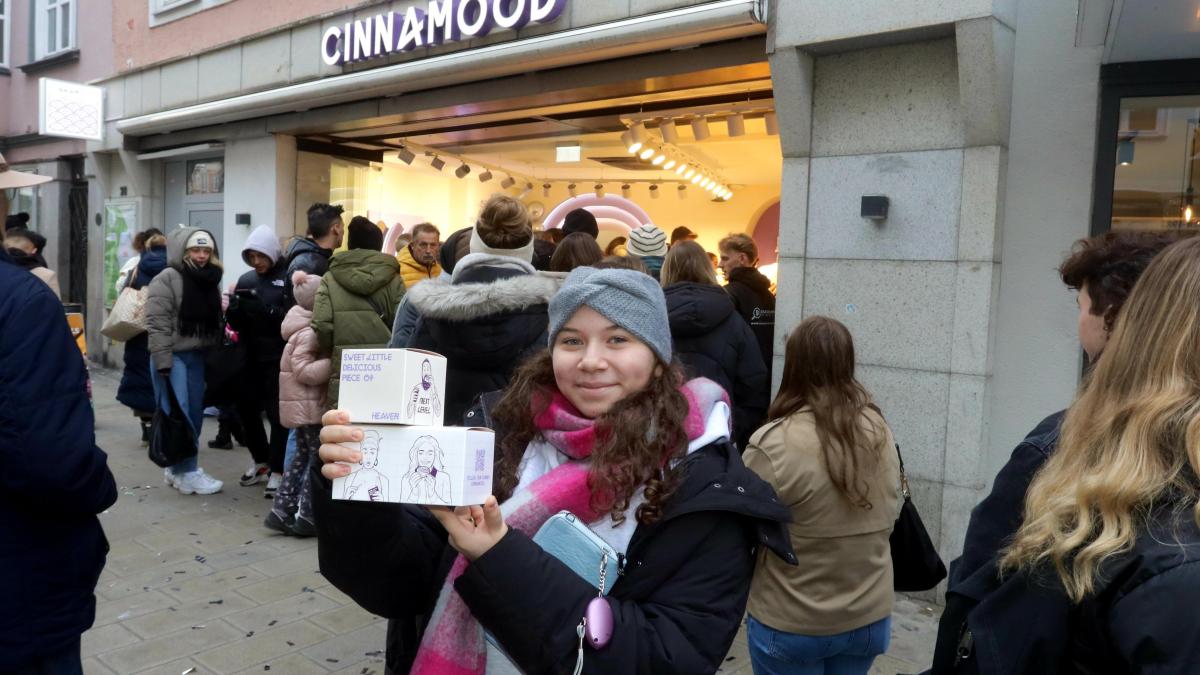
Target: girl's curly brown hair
(636,441)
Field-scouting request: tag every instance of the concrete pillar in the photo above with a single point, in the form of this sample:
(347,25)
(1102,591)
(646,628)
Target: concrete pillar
(260,179)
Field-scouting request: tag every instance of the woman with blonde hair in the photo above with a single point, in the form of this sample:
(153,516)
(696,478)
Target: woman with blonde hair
(184,320)
(711,338)
(1100,574)
(830,455)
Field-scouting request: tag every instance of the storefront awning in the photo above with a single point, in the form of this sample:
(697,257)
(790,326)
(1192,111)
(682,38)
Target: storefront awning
(722,20)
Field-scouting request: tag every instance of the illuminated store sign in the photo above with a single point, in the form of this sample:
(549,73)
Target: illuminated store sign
(440,22)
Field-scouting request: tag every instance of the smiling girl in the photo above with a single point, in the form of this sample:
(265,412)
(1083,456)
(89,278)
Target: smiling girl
(603,425)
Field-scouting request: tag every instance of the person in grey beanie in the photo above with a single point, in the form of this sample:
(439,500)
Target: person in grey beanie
(602,424)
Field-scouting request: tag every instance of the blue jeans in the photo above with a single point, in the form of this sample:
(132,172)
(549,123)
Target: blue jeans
(290,452)
(774,652)
(187,379)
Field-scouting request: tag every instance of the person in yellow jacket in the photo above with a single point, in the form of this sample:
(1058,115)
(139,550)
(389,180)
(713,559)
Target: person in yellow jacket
(419,260)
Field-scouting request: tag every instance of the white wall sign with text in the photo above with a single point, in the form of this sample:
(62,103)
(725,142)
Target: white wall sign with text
(440,22)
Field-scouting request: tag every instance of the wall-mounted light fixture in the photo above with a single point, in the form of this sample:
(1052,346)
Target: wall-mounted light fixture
(874,207)
(241,218)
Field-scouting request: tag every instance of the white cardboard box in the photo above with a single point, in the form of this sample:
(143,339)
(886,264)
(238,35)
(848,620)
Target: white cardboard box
(446,466)
(393,386)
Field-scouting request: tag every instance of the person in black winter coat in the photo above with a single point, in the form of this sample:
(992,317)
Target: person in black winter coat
(711,339)
(311,253)
(489,314)
(1101,575)
(685,546)
(136,390)
(1103,270)
(750,290)
(256,312)
(53,482)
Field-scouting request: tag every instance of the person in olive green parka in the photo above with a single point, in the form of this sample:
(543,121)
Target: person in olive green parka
(357,300)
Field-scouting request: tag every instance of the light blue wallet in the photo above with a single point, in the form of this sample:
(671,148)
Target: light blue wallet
(569,539)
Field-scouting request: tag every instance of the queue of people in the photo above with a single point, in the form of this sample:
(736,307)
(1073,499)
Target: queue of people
(634,391)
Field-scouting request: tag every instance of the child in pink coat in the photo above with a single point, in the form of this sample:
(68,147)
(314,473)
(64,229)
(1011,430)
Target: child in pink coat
(303,380)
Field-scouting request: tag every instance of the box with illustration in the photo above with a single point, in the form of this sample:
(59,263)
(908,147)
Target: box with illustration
(392,386)
(442,466)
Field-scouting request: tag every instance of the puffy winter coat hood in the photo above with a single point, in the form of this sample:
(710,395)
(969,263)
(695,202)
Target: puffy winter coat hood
(262,240)
(363,271)
(177,245)
(696,309)
(483,285)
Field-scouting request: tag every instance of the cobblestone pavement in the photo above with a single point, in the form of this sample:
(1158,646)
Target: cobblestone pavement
(196,585)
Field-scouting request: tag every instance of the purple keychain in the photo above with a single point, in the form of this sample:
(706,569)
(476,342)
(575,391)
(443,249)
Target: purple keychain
(597,623)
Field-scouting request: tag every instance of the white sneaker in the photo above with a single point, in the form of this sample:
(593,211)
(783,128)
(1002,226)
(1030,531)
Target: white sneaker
(257,473)
(273,484)
(197,482)
(168,477)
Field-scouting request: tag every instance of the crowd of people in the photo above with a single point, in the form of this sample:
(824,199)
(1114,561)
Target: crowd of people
(628,386)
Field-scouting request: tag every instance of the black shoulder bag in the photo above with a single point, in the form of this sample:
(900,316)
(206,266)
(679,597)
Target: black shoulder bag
(171,439)
(915,561)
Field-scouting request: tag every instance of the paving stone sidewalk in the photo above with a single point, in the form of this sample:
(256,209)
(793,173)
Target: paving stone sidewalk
(195,585)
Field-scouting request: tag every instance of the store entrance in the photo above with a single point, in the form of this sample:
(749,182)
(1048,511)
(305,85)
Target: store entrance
(696,149)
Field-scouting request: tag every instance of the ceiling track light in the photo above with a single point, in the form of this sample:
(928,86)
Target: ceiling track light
(485,176)
(626,190)
(700,128)
(635,138)
(571,190)
(681,169)
(407,156)
(697,178)
(462,170)
(772,122)
(659,159)
(545,189)
(682,191)
(669,165)
(736,124)
(437,163)
(507,182)
(654,191)
(646,153)
(667,129)
(599,189)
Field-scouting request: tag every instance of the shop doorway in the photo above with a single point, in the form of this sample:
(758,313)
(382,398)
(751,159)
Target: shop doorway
(195,194)
(695,148)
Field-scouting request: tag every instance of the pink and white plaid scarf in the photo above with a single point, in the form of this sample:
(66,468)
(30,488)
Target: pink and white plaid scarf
(453,642)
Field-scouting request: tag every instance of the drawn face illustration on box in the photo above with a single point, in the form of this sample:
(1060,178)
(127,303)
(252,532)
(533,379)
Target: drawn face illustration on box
(366,483)
(370,452)
(427,481)
(426,375)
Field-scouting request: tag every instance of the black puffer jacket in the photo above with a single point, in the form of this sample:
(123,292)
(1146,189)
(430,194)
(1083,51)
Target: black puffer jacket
(713,341)
(256,312)
(1140,619)
(303,255)
(751,293)
(486,319)
(677,602)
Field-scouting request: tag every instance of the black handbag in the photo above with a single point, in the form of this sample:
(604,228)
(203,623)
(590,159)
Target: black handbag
(916,564)
(171,439)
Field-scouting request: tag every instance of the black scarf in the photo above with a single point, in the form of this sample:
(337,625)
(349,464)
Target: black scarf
(200,310)
(24,260)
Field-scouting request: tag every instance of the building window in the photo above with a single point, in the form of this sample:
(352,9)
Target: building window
(53,27)
(4,33)
(206,177)
(1148,149)
(166,11)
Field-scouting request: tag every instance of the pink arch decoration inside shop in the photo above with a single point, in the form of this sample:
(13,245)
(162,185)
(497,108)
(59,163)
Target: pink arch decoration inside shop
(610,208)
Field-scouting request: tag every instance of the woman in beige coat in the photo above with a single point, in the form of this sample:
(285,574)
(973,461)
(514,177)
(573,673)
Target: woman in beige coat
(830,456)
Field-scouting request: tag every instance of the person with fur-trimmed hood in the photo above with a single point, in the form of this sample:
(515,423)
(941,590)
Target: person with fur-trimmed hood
(489,314)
